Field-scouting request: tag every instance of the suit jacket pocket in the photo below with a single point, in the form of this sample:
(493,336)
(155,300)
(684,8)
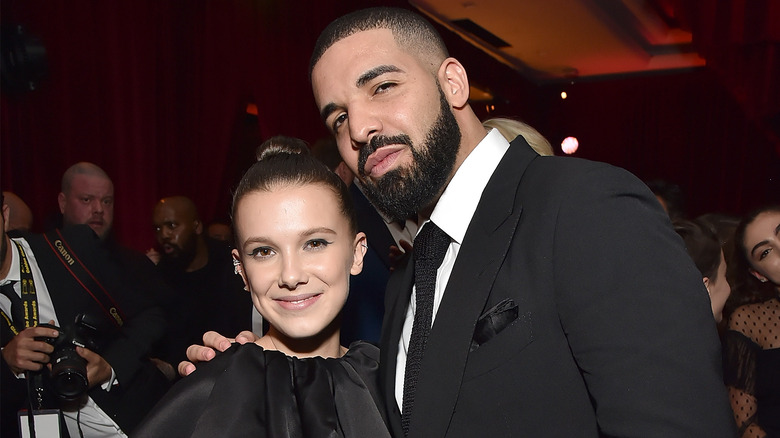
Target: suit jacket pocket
(500,333)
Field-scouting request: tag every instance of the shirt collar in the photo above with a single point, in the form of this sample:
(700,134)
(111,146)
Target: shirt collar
(456,206)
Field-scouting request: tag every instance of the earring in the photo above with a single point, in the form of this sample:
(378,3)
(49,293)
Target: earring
(365,245)
(763,280)
(236,265)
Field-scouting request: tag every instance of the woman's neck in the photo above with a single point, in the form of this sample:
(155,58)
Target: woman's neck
(322,346)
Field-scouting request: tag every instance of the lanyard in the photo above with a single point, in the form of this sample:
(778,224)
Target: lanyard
(29,296)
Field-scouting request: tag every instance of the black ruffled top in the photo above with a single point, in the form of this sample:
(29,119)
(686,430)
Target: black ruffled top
(251,392)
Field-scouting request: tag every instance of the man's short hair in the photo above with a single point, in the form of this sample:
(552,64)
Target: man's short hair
(411,31)
(81,168)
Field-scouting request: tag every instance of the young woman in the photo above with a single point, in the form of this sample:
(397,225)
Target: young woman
(296,246)
(751,346)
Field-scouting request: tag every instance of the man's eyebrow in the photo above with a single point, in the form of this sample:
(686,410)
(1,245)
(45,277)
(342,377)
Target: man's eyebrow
(366,77)
(327,110)
(374,72)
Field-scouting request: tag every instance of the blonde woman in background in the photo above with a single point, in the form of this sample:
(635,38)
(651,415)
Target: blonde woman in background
(511,128)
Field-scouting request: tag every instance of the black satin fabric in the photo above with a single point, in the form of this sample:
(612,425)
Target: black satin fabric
(250,392)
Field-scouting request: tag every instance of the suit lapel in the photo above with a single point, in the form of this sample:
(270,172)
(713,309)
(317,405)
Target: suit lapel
(481,255)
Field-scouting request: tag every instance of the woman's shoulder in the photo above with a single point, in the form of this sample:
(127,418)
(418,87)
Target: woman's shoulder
(364,349)
(757,321)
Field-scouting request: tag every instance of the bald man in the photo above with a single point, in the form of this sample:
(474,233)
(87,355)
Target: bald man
(207,293)
(87,197)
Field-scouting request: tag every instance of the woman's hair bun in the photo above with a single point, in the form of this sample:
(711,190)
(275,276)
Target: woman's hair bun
(281,145)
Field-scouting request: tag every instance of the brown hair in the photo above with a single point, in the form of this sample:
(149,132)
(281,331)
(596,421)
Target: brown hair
(287,161)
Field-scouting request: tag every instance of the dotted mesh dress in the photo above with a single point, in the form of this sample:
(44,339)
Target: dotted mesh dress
(752,368)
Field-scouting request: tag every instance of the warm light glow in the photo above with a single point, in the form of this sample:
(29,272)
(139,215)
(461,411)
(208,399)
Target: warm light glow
(564,95)
(251,108)
(570,145)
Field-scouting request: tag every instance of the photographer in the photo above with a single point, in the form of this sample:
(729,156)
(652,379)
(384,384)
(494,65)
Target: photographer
(66,281)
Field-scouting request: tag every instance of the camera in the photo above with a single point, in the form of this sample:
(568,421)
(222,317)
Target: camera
(68,369)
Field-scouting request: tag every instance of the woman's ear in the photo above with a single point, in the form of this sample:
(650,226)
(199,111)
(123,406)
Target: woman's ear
(454,82)
(758,275)
(707,285)
(359,253)
(239,268)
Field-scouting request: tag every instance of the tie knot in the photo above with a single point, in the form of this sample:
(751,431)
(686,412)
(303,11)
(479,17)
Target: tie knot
(431,244)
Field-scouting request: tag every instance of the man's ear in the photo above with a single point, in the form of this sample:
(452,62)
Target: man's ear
(454,82)
(758,275)
(61,201)
(198,227)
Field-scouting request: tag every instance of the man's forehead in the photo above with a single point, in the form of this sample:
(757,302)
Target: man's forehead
(358,46)
(92,182)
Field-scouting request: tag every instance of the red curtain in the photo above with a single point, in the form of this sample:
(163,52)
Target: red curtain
(155,91)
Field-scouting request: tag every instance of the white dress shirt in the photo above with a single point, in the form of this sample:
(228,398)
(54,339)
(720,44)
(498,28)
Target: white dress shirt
(95,423)
(453,214)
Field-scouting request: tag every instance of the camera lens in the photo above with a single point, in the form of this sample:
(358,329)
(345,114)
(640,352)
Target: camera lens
(69,374)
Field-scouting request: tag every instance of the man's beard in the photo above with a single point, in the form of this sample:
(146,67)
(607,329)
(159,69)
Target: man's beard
(402,192)
(179,259)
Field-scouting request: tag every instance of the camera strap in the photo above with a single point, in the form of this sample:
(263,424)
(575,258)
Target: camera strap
(28,302)
(84,276)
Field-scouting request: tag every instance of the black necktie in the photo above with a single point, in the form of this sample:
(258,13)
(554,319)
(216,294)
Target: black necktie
(430,245)
(17,308)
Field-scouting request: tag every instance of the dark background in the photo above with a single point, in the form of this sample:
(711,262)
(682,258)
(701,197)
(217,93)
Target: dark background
(155,92)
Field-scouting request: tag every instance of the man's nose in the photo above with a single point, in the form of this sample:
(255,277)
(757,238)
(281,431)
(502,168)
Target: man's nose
(363,123)
(97,206)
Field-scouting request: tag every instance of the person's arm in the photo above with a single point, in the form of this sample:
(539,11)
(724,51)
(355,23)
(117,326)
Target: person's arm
(744,406)
(740,353)
(212,342)
(127,352)
(635,312)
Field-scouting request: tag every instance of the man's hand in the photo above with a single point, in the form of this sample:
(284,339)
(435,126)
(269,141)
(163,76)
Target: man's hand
(212,342)
(98,370)
(153,255)
(24,353)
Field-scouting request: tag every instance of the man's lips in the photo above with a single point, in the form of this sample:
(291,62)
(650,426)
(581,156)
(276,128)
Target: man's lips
(382,160)
(298,302)
(167,248)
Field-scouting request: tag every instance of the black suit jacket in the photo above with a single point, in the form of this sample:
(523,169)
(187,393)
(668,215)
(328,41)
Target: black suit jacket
(141,384)
(572,310)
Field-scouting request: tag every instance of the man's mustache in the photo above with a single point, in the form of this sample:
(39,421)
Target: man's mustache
(376,143)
